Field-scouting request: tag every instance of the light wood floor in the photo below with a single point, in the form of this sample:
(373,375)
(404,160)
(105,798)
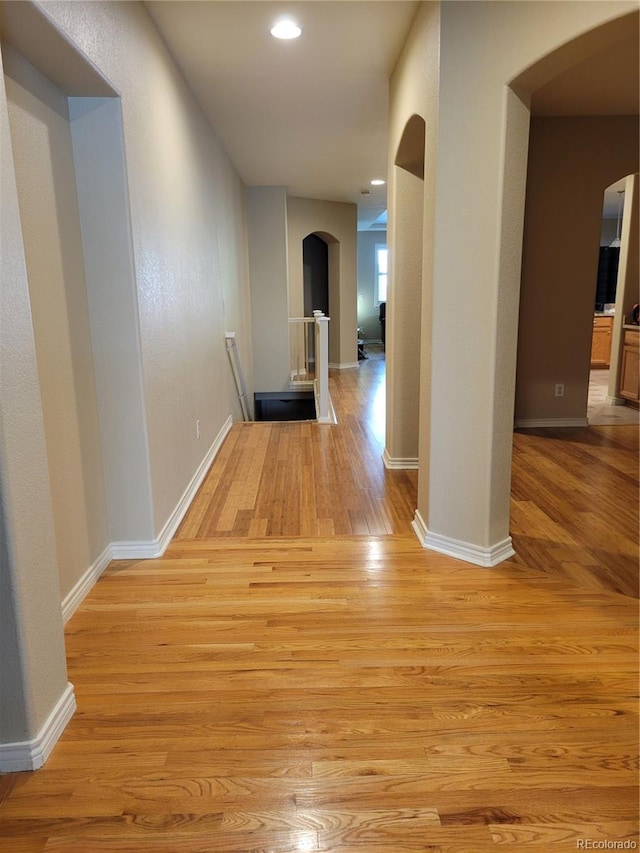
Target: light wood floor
(356,693)
(307,479)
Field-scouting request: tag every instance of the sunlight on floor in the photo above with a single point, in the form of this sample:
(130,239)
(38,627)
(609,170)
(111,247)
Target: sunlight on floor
(378,409)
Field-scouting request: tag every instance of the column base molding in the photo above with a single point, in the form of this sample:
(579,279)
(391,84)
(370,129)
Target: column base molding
(466,551)
(400,463)
(32,754)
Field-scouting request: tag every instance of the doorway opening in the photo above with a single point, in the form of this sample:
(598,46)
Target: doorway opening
(606,403)
(315,262)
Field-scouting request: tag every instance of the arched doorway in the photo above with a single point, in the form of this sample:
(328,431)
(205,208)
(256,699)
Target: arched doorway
(577,148)
(321,283)
(478,176)
(315,262)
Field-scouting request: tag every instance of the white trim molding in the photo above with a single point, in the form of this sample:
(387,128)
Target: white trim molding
(466,551)
(76,595)
(331,418)
(32,754)
(145,550)
(542,423)
(346,366)
(399,463)
(178,514)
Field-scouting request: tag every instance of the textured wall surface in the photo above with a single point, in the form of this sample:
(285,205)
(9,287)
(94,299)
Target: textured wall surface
(32,663)
(96,128)
(404,316)
(51,232)
(267,226)
(189,241)
(414,92)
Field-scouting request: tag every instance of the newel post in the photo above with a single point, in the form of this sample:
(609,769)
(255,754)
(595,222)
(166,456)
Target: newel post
(322,367)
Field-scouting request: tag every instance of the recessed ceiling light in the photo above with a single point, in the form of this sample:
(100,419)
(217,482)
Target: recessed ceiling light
(377,183)
(286,29)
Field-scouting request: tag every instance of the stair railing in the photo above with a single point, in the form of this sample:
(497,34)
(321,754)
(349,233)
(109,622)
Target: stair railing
(309,360)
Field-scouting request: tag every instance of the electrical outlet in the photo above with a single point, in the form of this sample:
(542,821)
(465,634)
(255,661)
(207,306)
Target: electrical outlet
(197,429)
(559,392)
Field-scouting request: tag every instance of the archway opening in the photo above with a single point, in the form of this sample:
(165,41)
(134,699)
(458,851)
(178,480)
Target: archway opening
(577,148)
(321,283)
(315,262)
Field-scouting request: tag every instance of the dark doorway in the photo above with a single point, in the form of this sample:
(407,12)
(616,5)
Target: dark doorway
(315,261)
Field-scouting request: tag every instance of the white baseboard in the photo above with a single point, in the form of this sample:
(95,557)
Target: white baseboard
(420,528)
(399,463)
(347,365)
(172,524)
(144,550)
(536,423)
(31,754)
(332,418)
(466,551)
(72,599)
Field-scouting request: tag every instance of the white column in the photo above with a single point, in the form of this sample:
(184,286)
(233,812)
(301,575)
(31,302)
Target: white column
(322,368)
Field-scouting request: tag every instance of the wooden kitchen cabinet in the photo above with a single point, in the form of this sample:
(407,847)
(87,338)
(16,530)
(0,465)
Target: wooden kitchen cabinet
(629,374)
(601,342)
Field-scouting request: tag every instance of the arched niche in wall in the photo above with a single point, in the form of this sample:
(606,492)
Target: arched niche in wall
(410,154)
(404,297)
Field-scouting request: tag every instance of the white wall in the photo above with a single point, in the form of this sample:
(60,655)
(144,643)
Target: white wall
(32,663)
(96,130)
(267,223)
(414,92)
(43,158)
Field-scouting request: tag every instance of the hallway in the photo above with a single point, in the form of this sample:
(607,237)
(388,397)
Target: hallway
(353,693)
(574,491)
(305,479)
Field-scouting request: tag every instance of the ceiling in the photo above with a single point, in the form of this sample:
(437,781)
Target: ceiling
(607,83)
(309,114)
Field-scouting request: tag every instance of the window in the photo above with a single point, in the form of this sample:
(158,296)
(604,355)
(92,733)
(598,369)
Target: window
(381,272)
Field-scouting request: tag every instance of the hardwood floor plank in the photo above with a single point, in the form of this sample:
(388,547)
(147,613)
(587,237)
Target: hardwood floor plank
(297,673)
